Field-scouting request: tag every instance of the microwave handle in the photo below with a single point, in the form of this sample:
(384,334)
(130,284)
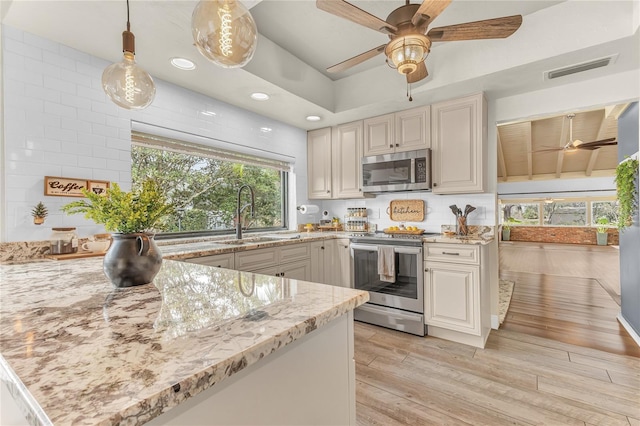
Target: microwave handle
(412,177)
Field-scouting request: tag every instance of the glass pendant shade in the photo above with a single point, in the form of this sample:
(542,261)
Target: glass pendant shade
(224,32)
(128,85)
(405,53)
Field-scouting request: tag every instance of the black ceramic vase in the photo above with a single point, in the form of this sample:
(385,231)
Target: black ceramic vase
(132,259)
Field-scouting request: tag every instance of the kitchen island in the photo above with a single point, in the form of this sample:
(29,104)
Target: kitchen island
(201,345)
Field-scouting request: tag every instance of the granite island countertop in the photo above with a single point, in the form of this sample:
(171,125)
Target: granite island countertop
(77,351)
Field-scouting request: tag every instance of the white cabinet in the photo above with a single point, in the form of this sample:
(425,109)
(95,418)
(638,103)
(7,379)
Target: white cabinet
(457,301)
(333,162)
(403,131)
(459,133)
(219,260)
(323,261)
(342,270)
(319,164)
(347,151)
(289,261)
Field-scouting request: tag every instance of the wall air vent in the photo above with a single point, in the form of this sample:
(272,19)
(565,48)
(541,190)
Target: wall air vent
(585,66)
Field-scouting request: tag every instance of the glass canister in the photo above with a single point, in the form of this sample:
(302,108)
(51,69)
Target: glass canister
(63,241)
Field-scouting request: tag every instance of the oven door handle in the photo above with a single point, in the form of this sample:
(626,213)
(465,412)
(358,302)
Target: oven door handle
(408,250)
(368,247)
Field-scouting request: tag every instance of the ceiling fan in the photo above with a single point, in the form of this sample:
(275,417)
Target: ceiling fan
(575,144)
(407,26)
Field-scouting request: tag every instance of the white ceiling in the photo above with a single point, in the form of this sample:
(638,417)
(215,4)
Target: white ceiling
(298,41)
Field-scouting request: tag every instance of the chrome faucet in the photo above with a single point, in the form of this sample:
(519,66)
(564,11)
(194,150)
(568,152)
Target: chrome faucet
(240,209)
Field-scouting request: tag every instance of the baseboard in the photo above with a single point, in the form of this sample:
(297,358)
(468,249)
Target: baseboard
(495,322)
(629,329)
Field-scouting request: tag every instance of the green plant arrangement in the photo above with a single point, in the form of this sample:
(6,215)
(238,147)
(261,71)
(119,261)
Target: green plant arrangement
(39,213)
(141,210)
(625,179)
(509,222)
(602,222)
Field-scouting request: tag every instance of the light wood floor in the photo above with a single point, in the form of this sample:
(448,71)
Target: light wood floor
(559,294)
(517,379)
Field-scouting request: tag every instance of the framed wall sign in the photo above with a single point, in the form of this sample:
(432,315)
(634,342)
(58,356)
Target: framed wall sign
(98,186)
(71,187)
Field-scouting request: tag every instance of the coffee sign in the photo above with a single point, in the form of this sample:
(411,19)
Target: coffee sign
(70,187)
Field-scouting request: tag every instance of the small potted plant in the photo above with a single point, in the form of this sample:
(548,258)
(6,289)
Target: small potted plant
(39,213)
(506,228)
(601,230)
(133,217)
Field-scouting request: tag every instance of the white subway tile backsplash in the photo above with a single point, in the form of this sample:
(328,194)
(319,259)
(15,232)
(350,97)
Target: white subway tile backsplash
(99,129)
(61,110)
(59,84)
(74,54)
(59,134)
(106,153)
(43,144)
(81,171)
(79,149)
(26,50)
(110,175)
(56,59)
(42,43)
(93,140)
(74,124)
(62,159)
(91,117)
(75,101)
(28,168)
(92,93)
(41,92)
(119,144)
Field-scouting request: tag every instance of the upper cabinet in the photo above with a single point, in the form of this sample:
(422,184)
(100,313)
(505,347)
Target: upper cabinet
(403,131)
(347,151)
(333,162)
(459,133)
(319,163)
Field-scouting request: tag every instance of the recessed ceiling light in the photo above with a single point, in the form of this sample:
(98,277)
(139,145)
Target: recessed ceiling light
(313,118)
(183,64)
(259,96)
(265,129)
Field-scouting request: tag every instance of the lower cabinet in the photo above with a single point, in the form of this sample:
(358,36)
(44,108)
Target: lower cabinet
(226,260)
(331,262)
(300,270)
(342,269)
(289,261)
(457,298)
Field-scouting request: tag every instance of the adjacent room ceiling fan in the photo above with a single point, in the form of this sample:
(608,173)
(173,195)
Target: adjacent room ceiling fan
(407,27)
(575,144)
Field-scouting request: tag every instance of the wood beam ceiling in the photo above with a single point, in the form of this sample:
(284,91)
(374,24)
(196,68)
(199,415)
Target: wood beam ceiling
(529,144)
(594,154)
(564,134)
(501,163)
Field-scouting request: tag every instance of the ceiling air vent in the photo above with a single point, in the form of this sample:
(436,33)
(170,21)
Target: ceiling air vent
(585,66)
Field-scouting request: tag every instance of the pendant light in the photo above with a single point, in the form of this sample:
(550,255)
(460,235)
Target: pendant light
(126,84)
(224,32)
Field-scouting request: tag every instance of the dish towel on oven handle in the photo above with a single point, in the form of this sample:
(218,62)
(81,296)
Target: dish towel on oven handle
(386,264)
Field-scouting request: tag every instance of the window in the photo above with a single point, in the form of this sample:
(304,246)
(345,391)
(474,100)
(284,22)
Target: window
(608,209)
(203,183)
(524,213)
(565,213)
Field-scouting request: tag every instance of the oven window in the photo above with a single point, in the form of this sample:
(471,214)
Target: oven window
(389,172)
(365,264)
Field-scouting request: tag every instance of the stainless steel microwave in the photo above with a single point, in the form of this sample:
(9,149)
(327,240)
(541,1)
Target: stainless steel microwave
(402,171)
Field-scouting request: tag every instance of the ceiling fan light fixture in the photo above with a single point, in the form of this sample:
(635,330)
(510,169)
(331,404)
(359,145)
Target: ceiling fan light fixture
(224,32)
(125,83)
(406,52)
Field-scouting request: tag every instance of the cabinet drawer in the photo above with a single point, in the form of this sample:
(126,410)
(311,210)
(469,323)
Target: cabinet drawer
(293,252)
(455,253)
(252,260)
(218,260)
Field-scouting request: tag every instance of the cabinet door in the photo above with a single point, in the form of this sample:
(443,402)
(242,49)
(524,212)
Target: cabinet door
(458,139)
(379,135)
(330,265)
(300,270)
(252,260)
(452,297)
(219,260)
(317,261)
(413,130)
(342,270)
(347,151)
(319,163)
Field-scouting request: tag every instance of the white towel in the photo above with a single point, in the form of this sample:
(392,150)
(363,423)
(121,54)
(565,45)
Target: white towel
(386,264)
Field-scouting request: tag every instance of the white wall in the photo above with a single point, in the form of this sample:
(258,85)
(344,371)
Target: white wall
(59,122)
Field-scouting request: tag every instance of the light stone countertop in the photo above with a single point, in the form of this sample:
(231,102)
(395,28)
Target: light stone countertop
(77,351)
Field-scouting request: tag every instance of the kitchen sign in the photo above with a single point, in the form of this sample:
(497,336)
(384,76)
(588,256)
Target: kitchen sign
(406,210)
(70,187)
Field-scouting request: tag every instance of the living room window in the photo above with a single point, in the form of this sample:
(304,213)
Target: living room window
(558,212)
(203,183)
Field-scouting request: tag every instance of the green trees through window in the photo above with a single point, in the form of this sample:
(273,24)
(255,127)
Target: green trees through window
(570,212)
(204,189)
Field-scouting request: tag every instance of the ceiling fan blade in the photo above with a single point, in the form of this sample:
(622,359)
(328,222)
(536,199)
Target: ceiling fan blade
(418,74)
(596,144)
(489,28)
(345,65)
(353,13)
(428,11)
(548,150)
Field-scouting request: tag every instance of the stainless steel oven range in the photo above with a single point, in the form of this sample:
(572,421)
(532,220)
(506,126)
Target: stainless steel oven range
(395,301)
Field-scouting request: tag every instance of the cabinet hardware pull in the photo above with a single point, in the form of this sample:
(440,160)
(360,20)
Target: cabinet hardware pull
(426,269)
(452,254)
(328,191)
(282,274)
(322,248)
(391,146)
(435,184)
(397,144)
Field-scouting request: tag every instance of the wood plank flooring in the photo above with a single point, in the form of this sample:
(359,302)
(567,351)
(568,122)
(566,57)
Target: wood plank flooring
(565,299)
(518,379)
(560,358)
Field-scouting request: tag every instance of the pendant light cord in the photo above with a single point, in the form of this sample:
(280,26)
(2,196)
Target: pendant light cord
(128,24)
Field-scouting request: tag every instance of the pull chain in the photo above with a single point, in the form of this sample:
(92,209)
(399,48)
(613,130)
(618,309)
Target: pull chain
(409,92)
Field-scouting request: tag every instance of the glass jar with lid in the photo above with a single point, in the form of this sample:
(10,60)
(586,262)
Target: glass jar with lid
(63,241)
